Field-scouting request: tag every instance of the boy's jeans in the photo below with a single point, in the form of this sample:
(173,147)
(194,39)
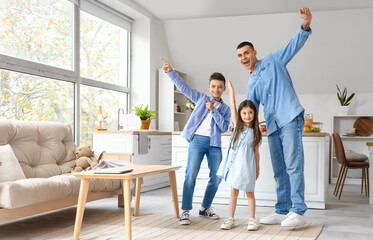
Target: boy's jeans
(198,147)
(286,147)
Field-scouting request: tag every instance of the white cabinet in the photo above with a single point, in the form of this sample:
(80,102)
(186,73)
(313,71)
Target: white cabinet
(168,97)
(316,169)
(158,146)
(350,143)
(160,151)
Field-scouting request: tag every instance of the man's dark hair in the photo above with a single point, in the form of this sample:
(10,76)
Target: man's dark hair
(245,44)
(217,76)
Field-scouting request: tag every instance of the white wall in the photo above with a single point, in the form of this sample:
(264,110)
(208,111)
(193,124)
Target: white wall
(338,52)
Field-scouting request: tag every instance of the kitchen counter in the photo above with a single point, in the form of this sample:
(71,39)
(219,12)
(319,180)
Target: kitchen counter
(151,132)
(305,134)
(316,171)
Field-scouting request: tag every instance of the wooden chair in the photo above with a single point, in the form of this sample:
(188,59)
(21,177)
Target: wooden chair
(345,165)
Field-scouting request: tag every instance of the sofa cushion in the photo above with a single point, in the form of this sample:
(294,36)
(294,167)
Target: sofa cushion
(43,149)
(35,190)
(10,170)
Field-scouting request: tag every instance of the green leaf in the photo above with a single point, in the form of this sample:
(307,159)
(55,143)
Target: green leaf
(144,113)
(349,99)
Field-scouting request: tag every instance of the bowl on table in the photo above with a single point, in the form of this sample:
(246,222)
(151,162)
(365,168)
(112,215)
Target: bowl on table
(312,127)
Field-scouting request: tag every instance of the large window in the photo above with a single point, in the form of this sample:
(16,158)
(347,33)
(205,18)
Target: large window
(28,97)
(91,98)
(103,50)
(39,31)
(60,60)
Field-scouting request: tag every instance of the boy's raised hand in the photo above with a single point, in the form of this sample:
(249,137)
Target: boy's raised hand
(209,104)
(166,66)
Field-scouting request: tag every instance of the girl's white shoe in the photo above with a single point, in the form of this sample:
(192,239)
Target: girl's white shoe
(253,224)
(227,224)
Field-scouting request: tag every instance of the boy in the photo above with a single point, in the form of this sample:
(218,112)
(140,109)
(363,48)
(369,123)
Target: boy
(209,120)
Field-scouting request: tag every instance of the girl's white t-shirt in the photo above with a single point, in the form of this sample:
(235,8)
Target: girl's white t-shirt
(205,128)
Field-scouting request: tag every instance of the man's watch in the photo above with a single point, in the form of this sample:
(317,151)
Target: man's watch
(306,27)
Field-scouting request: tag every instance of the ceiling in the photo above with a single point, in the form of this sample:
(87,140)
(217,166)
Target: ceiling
(186,9)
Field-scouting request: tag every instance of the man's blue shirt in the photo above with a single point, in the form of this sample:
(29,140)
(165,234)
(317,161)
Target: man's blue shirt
(272,86)
(220,116)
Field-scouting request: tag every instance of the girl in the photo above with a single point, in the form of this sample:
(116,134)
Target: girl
(241,166)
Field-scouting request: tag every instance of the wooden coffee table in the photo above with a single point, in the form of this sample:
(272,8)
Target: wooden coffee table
(138,172)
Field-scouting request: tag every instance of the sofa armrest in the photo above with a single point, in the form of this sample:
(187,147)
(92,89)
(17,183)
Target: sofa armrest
(116,156)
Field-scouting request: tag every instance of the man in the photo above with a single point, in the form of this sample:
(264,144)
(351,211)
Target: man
(270,84)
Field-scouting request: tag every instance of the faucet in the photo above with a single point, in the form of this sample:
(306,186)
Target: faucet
(120,111)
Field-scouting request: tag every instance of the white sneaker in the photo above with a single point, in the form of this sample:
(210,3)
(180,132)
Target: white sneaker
(253,224)
(275,218)
(227,224)
(293,220)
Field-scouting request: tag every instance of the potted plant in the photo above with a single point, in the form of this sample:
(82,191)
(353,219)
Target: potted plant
(344,100)
(145,115)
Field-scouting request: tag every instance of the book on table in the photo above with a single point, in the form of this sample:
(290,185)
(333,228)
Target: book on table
(112,170)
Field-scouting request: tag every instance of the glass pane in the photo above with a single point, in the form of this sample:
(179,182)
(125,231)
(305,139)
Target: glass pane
(38,31)
(32,98)
(103,50)
(91,99)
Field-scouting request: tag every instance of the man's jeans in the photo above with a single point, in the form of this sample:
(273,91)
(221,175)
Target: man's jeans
(198,147)
(286,147)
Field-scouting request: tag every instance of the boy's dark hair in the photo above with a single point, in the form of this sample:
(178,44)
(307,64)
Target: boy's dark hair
(217,76)
(240,124)
(245,44)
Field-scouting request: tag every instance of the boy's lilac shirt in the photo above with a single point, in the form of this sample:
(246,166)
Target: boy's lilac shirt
(220,117)
(272,86)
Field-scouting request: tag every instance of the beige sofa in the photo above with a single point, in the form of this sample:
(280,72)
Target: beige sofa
(35,170)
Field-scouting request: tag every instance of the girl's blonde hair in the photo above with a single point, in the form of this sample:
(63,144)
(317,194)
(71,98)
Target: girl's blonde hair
(240,124)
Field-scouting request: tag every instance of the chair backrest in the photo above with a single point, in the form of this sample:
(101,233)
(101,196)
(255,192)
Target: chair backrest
(339,149)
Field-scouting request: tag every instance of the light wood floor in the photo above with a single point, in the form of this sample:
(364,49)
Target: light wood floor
(349,218)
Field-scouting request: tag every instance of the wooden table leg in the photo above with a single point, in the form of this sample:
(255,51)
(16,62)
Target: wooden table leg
(175,201)
(83,192)
(137,196)
(127,208)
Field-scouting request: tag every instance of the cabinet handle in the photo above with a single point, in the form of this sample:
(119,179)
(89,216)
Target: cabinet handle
(149,143)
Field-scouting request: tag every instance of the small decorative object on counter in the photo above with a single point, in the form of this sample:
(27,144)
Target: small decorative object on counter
(308,119)
(310,125)
(101,120)
(316,126)
(344,101)
(263,126)
(145,115)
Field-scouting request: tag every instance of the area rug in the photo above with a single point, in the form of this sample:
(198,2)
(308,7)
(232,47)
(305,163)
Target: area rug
(161,227)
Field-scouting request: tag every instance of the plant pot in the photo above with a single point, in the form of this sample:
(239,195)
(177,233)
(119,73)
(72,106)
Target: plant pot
(145,124)
(343,110)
